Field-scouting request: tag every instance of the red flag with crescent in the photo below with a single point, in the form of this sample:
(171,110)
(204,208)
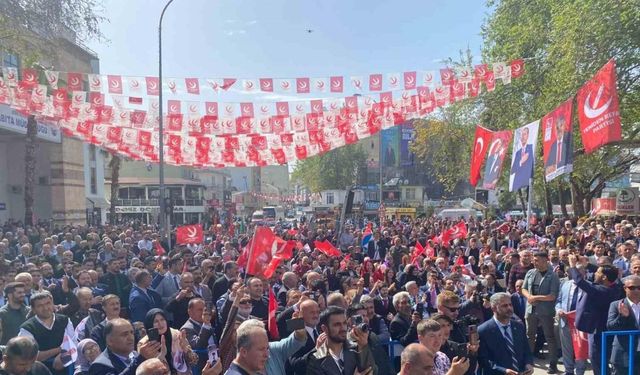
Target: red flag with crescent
(189,234)
(480,144)
(598,109)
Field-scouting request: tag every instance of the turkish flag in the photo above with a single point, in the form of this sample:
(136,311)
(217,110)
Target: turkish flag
(192,85)
(327,248)
(189,234)
(417,251)
(598,109)
(482,139)
(517,68)
(273,323)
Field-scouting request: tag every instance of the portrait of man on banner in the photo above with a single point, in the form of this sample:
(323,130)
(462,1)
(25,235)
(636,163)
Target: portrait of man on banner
(558,141)
(523,156)
(495,159)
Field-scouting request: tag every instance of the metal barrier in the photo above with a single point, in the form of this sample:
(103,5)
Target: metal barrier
(603,355)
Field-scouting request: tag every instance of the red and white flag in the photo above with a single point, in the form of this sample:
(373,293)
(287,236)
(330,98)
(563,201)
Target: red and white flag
(273,323)
(598,109)
(447,76)
(302,85)
(189,234)
(409,80)
(327,248)
(480,72)
(153,85)
(480,143)
(192,85)
(266,84)
(115,84)
(336,83)
(375,82)
(517,68)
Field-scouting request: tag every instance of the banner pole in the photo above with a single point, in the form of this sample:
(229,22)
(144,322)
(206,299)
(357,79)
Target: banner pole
(529,203)
(253,242)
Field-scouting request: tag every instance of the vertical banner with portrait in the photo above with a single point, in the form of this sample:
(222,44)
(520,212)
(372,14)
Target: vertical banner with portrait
(495,159)
(523,155)
(557,141)
(390,147)
(406,156)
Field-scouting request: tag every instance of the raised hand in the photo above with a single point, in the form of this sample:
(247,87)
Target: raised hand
(623,309)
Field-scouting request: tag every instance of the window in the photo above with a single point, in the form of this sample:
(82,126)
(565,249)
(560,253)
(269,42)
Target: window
(9,60)
(410,194)
(192,192)
(93,181)
(329,198)
(136,193)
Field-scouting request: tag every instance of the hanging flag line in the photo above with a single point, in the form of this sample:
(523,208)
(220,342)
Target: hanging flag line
(377,82)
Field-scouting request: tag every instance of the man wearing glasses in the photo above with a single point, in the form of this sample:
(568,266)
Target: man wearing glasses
(624,315)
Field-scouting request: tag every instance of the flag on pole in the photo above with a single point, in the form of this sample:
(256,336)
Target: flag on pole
(272,323)
(327,248)
(189,234)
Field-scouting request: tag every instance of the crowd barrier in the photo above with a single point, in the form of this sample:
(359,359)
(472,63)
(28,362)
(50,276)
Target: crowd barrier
(632,349)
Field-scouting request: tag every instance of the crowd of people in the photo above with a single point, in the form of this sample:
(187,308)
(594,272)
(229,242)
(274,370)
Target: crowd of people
(119,300)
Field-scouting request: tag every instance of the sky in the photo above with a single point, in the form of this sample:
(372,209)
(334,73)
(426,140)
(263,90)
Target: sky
(253,39)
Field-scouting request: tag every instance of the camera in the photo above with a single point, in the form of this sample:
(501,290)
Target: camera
(358,322)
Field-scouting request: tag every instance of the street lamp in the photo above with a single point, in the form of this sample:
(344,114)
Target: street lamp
(163,206)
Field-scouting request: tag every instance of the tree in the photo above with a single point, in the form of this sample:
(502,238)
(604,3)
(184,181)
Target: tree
(31,29)
(566,42)
(335,169)
(114,165)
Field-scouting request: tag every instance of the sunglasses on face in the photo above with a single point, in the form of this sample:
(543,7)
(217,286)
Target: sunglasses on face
(452,309)
(633,287)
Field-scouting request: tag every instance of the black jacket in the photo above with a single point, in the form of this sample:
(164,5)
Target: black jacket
(403,330)
(108,363)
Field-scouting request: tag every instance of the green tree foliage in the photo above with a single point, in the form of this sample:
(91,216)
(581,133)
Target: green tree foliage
(335,169)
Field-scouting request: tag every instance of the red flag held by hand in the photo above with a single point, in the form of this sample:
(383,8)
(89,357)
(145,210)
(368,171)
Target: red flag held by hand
(189,234)
(272,323)
(327,248)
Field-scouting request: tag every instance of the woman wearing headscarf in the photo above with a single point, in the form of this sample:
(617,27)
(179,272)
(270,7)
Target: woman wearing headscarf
(176,351)
(88,351)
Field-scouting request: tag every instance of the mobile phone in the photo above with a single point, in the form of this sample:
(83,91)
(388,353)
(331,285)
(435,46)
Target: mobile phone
(295,324)
(461,351)
(473,335)
(153,334)
(213,354)
(420,308)
(65,357)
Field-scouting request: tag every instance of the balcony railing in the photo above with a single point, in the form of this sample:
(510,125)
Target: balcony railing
(154,202)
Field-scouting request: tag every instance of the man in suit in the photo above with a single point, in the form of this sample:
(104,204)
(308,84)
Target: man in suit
(592,309)
(503,344)
(566,303)
(541,287)
(522,165)
(310,313)
(289,281)
(404,325)
(179,302)
(320,361)
(492,166)
(223,283)
(200,287)
(624,315)
(519,302)
(377,247)
(142,298)
(383,303)
(561,151)
(198,329)
(117,283)
(116,359)
(170,283)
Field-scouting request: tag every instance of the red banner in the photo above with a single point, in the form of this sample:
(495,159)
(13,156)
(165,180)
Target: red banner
(189,234)
(598,109)
(557,141)
(579,339)
(481,141)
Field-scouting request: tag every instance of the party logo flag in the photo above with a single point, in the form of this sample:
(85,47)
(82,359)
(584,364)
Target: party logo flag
(598,110)
(189,234)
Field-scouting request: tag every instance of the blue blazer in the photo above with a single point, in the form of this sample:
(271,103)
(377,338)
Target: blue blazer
(562,302)
(140,303)
(494,356)
(617,322)
(524,172)
(593,307)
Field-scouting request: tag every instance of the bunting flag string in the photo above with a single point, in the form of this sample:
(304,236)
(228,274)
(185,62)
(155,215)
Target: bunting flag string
(291,198)
(216,135)
(137,86)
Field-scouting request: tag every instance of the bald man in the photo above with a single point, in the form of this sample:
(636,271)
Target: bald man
(310,313)
(416,359)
